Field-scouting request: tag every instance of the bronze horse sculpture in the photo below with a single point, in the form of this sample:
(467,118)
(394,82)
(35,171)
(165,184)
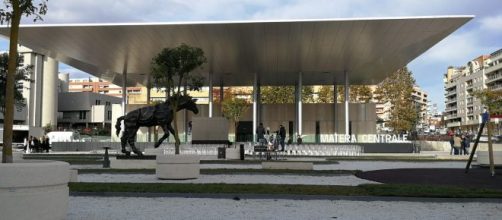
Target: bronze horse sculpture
(157,115)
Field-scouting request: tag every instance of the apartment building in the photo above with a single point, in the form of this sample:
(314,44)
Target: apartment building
(420,100)
(462,109)
(97,85)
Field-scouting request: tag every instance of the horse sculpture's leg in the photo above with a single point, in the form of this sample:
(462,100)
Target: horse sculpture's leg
(123,141)
(170,128)
(131,139)
(166,135)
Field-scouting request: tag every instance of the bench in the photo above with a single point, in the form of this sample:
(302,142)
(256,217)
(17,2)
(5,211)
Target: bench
(287,165)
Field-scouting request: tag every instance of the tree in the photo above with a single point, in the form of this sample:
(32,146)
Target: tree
(362,93)
(492,100)
(11,15)
(397,89)
(22,74)
(285,94)
(172,69)
(233,108)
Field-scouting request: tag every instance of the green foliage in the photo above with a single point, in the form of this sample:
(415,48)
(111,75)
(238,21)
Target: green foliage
(26,7)
(48,128)
(357,93)
(325,94)
(285,94)
(397,89)
(172,69)
(233,108)
(491,99)
(22,74)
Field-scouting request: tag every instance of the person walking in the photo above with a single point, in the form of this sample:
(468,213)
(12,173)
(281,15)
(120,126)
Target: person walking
(282,136)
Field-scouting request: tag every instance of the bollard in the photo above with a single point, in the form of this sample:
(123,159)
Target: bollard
(106,161)
(242,151)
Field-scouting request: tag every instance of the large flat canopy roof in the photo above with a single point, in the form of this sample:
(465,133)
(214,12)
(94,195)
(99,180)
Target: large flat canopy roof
(368,48)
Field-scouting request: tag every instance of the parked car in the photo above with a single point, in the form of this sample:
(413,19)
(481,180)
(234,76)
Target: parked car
(484,139)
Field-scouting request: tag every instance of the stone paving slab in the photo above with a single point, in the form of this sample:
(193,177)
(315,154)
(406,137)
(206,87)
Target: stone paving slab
(123,208)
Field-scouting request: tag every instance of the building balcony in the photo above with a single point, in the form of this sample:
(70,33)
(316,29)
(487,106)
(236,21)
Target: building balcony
(452,116)
(493,68)
(453,124)
(449,109)
(493,77)
(450,100)
(450,93)
(449,85)
(495,87)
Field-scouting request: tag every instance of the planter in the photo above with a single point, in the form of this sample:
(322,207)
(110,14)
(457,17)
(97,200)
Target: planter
(483,158)
(34,190)
(178,167)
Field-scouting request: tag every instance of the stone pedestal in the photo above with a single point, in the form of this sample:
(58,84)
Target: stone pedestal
(178,167)
(34,190)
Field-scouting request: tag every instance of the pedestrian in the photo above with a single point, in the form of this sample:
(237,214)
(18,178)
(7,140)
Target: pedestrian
(466,143)
(457,144)
(452,142)
(260,133)
(282,136)
(46,144)
(36,144)
(31,144)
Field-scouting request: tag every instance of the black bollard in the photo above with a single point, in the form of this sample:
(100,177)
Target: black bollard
(106,161)
(242,151)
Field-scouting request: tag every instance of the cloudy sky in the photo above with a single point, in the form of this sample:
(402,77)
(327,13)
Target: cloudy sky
(482,35)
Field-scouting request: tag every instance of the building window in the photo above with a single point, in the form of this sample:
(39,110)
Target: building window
(82,115)
(107,103)
(109,116)
(98,102)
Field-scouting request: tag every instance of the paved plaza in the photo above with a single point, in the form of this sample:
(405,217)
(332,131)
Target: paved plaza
(121,208)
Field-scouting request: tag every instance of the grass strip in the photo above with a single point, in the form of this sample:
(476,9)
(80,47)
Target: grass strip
(228,171)
(362,190)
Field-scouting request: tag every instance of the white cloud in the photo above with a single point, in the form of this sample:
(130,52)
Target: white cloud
(493,23)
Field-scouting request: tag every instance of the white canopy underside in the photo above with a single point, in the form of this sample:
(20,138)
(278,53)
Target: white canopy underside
(369,49)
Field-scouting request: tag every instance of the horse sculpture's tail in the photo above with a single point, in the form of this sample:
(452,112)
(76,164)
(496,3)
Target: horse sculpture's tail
(118,125)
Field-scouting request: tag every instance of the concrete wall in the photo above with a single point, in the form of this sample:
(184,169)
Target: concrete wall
(362,116)
(209,129)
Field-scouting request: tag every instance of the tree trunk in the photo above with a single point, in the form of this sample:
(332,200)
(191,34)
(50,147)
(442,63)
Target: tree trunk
(9,87)
(490,147)
(235,129)
(176,137)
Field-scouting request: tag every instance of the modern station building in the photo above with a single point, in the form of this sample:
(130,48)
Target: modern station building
(298,53)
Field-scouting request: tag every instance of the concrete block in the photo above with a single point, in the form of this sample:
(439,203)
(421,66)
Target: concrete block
(484,160)
(232,153)
(73,175)
(177,167)
(34,190)
(132,164)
